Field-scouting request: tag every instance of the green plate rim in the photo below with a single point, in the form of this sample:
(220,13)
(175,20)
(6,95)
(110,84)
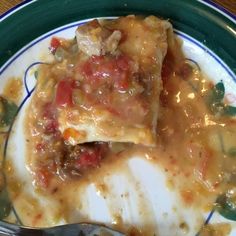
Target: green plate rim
(189,16)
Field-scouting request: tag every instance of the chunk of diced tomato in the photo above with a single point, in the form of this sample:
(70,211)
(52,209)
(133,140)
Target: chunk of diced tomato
(43,177)
(64,93)
(122,83)
(97,59)
(49,111)
(40,147)
(91,157)
(111,70)
(50,123)
(51,127)
(54,44)
(123,62)
(88,159)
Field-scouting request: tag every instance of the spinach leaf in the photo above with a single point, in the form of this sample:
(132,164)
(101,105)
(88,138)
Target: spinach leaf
(5,203)
(8,111)
(216,94)
(36,73)
(229,110)
(226,207)
(214,100)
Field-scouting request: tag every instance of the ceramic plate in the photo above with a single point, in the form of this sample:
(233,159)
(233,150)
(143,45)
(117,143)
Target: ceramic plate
(208,34)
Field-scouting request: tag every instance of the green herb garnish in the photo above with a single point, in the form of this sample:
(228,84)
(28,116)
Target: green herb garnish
(214,100)
(5,204)
(226,207)
(8,111)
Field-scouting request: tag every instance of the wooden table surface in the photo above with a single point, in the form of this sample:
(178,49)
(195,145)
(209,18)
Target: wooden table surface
(230,5)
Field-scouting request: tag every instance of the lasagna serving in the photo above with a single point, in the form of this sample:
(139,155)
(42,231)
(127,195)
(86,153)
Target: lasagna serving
(103,87)
(109,90)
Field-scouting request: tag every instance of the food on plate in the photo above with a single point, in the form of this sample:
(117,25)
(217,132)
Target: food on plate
(103,86)
(122,88)
(108,90)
